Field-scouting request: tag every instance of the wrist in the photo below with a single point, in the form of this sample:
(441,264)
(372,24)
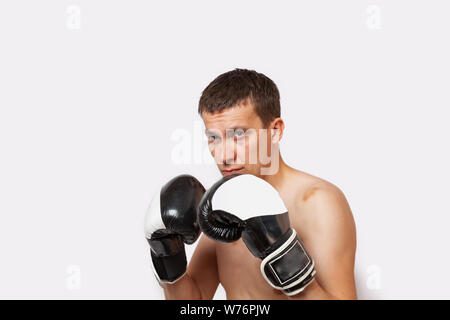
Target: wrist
(289,268)
(168,258)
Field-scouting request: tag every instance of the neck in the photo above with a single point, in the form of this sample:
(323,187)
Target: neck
(277,178)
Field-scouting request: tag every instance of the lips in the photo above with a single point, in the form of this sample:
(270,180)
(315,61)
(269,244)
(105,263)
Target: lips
(231,171)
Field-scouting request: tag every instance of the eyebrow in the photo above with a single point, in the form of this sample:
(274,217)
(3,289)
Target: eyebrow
(209,132)
(245,128)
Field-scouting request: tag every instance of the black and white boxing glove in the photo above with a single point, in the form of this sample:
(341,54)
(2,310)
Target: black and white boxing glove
(246,206)
(170,222)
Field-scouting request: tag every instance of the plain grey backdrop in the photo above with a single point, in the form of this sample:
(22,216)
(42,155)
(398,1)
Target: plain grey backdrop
(94,96)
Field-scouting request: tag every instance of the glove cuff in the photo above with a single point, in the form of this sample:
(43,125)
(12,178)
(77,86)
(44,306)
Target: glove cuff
(169,258)
(289,268)
(296,289)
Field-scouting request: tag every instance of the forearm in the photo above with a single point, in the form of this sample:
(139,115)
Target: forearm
(314,291)
(185,288)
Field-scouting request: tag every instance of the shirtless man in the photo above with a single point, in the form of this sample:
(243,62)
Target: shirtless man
(244,103)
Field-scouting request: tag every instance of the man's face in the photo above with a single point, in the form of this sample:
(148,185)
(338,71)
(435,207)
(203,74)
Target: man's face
(235,138)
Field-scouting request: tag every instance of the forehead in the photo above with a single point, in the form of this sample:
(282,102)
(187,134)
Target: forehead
(242,115)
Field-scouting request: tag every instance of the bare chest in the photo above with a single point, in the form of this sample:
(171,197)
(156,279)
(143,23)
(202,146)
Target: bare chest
(240,275)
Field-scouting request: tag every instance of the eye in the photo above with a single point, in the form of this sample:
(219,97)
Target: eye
(239,133)
(212,139)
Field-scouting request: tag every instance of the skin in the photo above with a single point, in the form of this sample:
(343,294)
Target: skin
(318,211)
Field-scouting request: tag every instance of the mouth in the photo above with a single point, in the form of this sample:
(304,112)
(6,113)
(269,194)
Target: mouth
(231,171)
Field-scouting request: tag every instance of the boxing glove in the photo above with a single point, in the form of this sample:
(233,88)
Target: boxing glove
(170,222)
(246,206)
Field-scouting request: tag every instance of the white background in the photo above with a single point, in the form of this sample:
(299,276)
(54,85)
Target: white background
(91,93)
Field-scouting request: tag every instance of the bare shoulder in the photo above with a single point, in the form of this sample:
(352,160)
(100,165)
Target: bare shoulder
(321,205)
(322,194)
(324,222)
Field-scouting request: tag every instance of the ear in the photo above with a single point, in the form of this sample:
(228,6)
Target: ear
(277,129)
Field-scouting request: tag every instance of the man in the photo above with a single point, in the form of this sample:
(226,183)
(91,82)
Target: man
(241,112)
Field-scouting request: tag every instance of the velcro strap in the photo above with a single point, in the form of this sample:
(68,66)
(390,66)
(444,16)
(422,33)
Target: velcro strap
(288,265)
(299,287)
(168,257)
(169,268)
(167,245)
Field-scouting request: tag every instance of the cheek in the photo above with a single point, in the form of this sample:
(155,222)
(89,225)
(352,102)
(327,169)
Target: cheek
(253,142)
(265,140)
(249,149)
(215,149)
(241,148)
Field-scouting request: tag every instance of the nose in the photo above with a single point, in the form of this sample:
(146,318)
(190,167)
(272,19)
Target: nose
(225,152)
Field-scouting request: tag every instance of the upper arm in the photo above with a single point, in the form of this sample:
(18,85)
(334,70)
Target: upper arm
(203,267)
(331,240)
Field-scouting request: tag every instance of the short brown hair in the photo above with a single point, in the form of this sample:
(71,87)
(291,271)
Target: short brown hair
(239,86)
